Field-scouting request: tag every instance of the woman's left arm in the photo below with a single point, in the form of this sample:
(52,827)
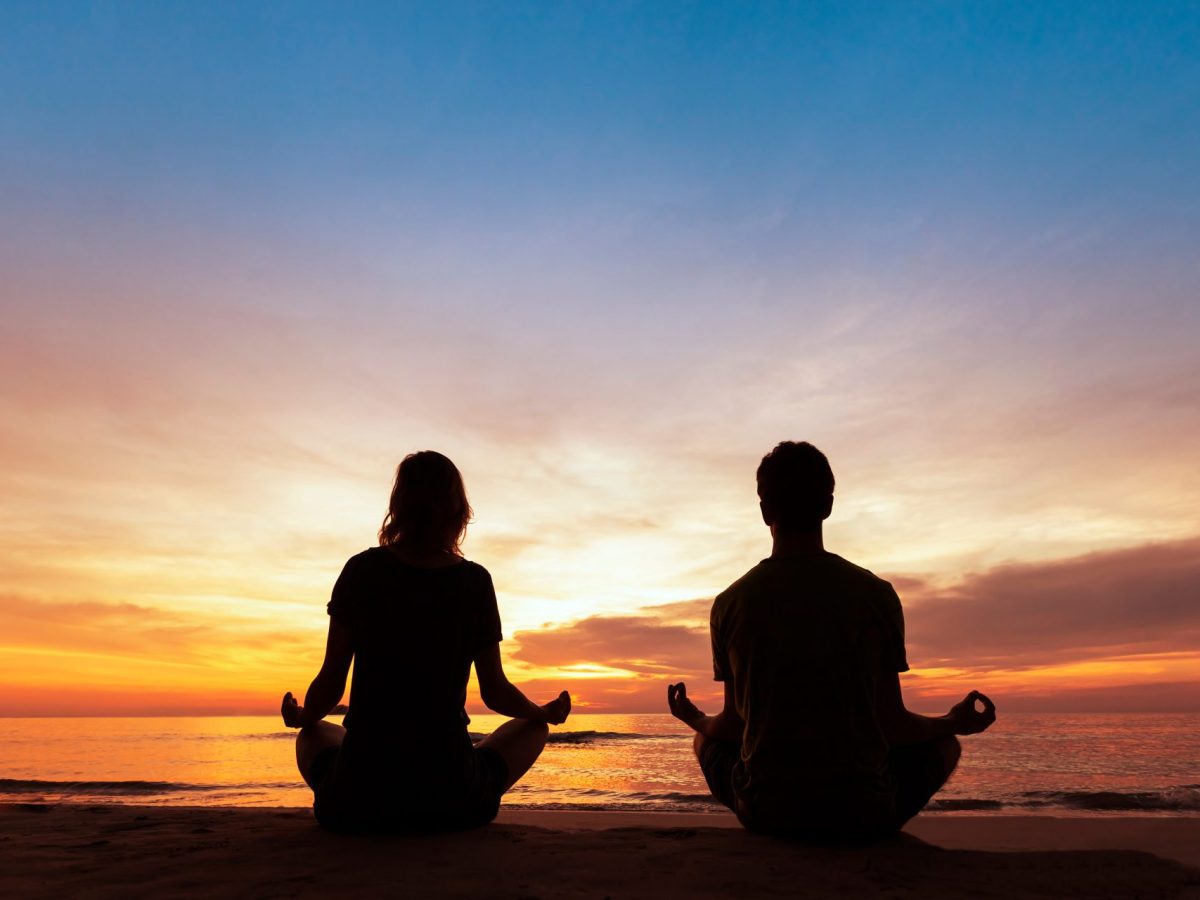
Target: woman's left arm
(329,685)
(502,696)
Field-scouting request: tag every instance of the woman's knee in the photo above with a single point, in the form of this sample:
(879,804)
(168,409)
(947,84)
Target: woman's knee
(313,739)
(539,731)
(519,741)
(524,728)
(530,731)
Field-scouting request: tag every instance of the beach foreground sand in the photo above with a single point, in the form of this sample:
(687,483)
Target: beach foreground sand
(76,850)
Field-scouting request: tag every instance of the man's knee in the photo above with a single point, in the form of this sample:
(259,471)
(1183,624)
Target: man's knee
(951,751)
(698,744)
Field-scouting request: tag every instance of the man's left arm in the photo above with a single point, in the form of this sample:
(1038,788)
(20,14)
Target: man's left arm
(902,727)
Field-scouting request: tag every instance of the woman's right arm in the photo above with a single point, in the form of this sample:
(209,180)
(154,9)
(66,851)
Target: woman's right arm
(502,696)
(329,685)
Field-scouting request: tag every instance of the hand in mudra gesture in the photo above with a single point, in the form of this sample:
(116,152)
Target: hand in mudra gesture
(291,711)
(968,719)
(681,707)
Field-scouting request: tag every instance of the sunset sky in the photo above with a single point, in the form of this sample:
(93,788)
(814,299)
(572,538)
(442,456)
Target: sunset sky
(604,256)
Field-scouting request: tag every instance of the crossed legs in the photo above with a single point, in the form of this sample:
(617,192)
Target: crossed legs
(920,771)
(311,742)
(519,742)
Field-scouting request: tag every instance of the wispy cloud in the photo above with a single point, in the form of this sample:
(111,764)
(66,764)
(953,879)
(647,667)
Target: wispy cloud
(638,644)
(1043,635)
(227,315)
(134,631)
(90,657)
(1133,601)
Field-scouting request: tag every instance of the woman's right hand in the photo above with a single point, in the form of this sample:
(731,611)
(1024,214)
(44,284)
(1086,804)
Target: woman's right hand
(291,711)
(558,709)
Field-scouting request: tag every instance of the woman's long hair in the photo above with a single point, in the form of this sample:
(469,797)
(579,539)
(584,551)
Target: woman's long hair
(428,511)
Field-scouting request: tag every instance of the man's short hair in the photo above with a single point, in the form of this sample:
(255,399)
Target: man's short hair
(795,483)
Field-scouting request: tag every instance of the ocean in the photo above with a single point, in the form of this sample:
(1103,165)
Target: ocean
(1081,765)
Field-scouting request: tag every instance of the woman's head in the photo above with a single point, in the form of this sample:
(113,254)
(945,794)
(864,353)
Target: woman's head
(428,511)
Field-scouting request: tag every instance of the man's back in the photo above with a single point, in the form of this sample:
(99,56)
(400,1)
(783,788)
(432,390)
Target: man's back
(804,639)
(813,737)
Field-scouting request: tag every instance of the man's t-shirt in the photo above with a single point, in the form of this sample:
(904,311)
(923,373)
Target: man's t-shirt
(415,633)
(805,639)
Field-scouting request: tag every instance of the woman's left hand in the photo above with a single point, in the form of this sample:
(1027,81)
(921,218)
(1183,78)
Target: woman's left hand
(291,711)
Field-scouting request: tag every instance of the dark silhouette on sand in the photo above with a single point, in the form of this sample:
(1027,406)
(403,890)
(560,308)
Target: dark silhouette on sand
(414,615)
(814,739)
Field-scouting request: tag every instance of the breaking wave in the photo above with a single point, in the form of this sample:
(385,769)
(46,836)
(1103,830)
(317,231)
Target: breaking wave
(108,788)
(1179,798)
(592,737)
(589,737)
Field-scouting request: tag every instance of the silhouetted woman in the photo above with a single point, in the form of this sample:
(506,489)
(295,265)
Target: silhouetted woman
(413,615)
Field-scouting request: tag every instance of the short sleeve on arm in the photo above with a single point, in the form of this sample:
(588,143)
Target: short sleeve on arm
(720,653)
(487,628)
(895,659)
(341,603)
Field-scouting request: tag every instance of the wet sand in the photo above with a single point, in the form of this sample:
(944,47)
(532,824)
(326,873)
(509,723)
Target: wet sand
(110,851)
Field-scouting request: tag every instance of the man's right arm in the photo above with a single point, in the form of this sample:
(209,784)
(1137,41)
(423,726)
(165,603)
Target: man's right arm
(902,727)
(726,725)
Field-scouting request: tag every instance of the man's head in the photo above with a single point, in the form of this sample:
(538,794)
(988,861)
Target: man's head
(795,487)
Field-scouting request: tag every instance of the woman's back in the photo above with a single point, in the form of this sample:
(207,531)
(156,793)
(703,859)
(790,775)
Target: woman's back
(415,632)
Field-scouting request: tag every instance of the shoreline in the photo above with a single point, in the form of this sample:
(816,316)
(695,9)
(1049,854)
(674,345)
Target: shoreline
(1179,842)
(67,849)
(713,812)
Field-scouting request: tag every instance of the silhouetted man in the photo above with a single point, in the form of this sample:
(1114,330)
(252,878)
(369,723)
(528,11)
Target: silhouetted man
(814,738)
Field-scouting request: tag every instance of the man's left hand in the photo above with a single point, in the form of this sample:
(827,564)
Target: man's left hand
(967,719)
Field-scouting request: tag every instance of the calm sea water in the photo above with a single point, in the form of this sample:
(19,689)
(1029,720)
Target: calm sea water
(1079,764)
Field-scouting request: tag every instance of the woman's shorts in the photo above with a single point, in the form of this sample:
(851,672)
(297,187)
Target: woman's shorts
(450,807)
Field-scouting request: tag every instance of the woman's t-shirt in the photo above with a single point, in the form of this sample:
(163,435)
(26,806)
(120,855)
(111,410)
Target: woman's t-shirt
(415,633)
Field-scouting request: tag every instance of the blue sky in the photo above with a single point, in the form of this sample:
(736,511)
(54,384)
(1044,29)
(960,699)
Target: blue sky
(863,110)
(605,256)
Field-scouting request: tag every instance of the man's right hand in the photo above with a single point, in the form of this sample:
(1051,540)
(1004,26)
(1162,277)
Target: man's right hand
(966,719)
(681,707)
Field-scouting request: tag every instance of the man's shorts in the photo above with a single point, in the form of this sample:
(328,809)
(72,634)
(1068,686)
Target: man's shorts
(919,772)
(717,759)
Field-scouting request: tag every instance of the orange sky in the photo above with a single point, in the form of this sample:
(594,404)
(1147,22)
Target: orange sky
(180,495)
(1114,630)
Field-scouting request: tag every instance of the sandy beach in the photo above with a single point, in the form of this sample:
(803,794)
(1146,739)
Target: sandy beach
(110,851)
